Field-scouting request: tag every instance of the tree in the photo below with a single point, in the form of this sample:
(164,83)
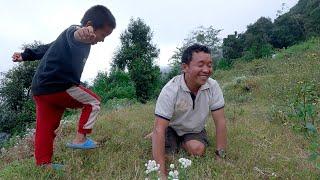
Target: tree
(137,55)
(232,46)
(117,85)
(257,39)
(17,109)
(288,30)
(312,18)
(207,36)
(306,12)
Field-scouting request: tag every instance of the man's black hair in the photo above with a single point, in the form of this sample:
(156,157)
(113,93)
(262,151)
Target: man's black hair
(187,53)
(99,16)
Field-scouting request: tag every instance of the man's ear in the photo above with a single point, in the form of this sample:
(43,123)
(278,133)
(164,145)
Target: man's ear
(184,67)
(89,23)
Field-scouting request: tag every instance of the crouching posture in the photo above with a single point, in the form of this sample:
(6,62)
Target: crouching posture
(183,106)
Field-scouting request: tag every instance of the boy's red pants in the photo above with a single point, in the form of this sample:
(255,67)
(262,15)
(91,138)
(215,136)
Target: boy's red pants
(49,110)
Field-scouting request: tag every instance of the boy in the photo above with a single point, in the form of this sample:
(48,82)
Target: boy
(56,83)
(183,106)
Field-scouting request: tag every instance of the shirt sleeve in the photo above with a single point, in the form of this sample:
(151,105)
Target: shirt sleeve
(165,103)
(35,53)
(217,100)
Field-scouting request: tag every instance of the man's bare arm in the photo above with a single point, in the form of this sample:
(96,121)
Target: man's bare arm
(221,129)
(158,142)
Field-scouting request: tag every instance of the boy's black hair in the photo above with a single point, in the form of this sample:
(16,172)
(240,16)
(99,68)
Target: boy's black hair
(187,53)
(99,16)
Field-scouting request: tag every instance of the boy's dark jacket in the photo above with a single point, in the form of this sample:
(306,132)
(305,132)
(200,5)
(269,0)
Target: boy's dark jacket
(61,65)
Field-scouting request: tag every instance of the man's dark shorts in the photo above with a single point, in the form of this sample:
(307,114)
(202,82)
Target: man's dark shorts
(174,142)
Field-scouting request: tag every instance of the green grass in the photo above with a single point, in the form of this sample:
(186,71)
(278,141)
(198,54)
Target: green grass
(260,145)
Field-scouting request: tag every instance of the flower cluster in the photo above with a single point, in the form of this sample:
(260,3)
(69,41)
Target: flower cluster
(152,166)
(173,174)
(184,162)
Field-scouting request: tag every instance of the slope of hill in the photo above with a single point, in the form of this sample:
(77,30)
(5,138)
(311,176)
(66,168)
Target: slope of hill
(261,142)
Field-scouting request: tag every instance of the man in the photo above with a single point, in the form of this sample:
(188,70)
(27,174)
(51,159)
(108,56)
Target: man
(183,106)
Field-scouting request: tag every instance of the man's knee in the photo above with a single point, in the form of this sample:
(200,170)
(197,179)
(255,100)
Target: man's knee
(195,148)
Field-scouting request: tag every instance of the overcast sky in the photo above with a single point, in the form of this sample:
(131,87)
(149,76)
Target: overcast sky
(24,21)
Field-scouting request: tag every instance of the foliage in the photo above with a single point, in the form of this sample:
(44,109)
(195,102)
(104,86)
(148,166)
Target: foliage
(304,113)
(232,46)
(254,43)
(300,23)
(117,85)
(257,38)
(137,55)
(288,30)
(309,11)
(17,108)
(224,64)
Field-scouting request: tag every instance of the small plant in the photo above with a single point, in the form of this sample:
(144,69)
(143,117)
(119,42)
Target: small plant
(303,108)
(152,169)
(304,116)
(181,171)
(175,173)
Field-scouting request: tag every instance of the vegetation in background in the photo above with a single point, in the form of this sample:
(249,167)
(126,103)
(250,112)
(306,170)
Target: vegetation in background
(17,110)
(137,55)
(117,85)
(264,36)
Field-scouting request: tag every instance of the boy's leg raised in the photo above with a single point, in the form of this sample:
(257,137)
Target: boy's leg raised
(47,121)
(90,104)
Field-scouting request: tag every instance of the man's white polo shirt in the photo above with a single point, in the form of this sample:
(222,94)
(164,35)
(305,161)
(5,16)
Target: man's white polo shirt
(188,113)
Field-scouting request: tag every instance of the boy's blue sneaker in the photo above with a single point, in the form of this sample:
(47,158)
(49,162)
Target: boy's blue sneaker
(88,144)
(56,166)
(53,166)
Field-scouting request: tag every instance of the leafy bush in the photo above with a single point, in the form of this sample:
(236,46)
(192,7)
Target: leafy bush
(117,85)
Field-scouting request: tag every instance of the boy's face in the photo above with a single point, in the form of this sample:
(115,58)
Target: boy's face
(199,69)
(101,33)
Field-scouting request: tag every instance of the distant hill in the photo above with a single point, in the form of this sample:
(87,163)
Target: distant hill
(309,12)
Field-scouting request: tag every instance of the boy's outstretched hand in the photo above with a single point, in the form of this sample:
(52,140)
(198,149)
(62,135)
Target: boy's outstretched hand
(16,57)
(85,35)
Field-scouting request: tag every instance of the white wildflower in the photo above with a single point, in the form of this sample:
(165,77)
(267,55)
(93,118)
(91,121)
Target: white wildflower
(185,162)
(174,174)
(172,166)
(152,166)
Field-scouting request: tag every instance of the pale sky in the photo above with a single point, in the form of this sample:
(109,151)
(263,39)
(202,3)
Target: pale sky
(24,21)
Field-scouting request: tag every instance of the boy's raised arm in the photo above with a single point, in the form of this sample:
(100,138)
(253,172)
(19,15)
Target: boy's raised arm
(85,35)
(31,54)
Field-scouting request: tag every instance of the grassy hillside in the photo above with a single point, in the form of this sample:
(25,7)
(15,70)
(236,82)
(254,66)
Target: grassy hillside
(261,140)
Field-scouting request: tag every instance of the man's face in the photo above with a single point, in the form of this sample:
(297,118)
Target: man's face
(101,33)
(199,69)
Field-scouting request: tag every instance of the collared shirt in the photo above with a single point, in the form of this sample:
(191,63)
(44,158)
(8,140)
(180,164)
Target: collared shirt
(186,112)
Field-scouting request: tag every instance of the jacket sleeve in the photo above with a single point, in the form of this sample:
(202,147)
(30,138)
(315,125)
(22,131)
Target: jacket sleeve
(72,42)
(36,53)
